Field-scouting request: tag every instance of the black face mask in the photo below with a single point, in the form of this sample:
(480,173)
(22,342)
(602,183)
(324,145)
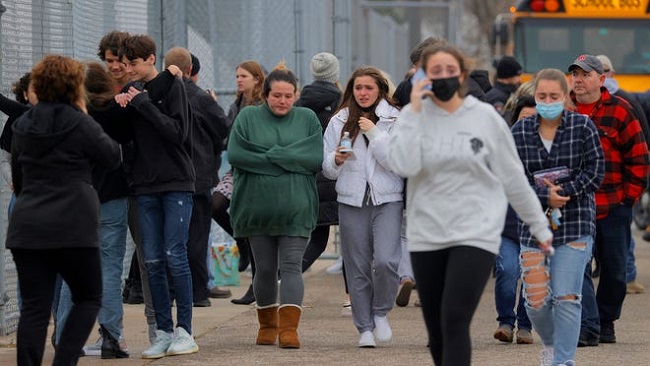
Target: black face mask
(444,89)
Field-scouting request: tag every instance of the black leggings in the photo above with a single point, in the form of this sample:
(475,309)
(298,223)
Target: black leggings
(316,246)
(450,284)
(37,271)
(220,215)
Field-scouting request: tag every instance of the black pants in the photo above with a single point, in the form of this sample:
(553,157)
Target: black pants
(316,246)
(221,216)
(37,271)
(450,285)
(197,244)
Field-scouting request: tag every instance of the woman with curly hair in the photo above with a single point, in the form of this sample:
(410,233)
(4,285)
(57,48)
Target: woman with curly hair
(56,217)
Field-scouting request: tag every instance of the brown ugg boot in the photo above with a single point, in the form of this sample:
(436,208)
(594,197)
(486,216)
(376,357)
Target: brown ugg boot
(268,318)
(289,319)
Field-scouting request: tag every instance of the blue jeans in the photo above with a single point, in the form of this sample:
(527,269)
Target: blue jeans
(112,236)
(63,306)
(555,318)
(630,266)
(164,226)
(613,236)
(507,273)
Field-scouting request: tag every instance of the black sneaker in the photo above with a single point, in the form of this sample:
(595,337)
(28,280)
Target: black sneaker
(587,340)
(205,303)
(607,334)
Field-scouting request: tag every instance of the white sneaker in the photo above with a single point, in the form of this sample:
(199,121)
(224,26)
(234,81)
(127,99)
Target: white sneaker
(346,310)
(546,356)
(367,340)
(160,345)
(382,329)
(94,349)
(182,343)
(336,268)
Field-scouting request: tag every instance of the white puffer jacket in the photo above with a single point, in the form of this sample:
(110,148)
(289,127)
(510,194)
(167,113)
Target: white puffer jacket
(370,165)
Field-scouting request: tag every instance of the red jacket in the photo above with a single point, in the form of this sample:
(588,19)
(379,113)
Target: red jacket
(626,153)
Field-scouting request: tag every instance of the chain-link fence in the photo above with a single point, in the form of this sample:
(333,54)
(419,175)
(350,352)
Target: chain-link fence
(221,33)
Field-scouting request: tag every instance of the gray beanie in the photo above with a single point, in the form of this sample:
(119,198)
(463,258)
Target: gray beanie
(325,67)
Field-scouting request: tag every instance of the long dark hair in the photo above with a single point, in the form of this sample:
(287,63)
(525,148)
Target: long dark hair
(354,110)
(279,73)
(99,84)
(523,102)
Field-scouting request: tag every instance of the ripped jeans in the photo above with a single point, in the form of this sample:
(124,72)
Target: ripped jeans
(553,290)
(164,220)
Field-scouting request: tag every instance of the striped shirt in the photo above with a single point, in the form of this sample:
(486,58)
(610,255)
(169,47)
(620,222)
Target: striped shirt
(576,146)
(626,153)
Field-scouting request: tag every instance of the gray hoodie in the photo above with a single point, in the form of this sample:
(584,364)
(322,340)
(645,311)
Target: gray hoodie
(462,171)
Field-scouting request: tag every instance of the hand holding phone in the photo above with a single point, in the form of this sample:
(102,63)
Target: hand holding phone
(420,75)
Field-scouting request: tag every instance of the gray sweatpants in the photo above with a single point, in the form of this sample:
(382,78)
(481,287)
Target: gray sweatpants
(267,252)
(371,249)
(405,270)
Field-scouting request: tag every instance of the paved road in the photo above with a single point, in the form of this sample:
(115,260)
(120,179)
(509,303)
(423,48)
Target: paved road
(226,333)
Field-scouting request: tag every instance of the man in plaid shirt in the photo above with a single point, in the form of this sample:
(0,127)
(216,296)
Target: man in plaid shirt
(626,171)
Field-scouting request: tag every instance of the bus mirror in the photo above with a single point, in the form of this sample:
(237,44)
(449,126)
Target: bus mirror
(500,35)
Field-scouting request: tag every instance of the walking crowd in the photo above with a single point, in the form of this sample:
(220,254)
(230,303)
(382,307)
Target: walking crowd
(530,183)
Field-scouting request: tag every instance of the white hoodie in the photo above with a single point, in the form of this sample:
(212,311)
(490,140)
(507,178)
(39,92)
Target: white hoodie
(462,171)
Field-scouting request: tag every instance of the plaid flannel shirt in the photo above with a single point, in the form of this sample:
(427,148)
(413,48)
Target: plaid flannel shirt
(626,153)
(576,146)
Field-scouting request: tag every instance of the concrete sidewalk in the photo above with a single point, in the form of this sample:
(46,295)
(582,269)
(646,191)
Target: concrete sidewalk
(226,333)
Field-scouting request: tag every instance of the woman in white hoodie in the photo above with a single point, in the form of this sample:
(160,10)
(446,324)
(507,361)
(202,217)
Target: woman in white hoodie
(370,200)
(462,169)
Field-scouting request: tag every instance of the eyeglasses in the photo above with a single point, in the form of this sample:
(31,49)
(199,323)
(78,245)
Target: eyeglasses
(607,70)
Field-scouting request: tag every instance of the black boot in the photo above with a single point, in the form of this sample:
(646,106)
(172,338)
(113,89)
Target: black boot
(110,346)
(247,299)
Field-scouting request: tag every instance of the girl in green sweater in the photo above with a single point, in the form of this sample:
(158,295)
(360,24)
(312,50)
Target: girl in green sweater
(276,150)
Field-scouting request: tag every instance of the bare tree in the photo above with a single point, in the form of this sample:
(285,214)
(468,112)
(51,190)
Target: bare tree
(484,13)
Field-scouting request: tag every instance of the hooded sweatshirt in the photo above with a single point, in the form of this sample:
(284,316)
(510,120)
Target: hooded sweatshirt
(55,147)
(462,171)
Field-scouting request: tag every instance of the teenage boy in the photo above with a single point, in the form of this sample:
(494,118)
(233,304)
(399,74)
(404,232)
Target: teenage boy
(163,183)
(210,127)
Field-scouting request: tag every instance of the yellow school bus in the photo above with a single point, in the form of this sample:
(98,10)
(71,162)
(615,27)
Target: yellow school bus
(552,33)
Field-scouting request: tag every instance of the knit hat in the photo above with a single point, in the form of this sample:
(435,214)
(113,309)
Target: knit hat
(325,67)
(196,65)
(588,63)
(508,67)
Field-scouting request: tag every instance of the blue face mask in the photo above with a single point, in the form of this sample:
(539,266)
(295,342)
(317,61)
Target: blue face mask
(549,110)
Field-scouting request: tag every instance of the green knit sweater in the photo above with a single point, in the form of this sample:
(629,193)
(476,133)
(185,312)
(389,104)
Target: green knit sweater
(275,160)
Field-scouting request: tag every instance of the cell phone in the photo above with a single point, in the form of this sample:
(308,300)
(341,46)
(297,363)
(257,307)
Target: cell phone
(349,153)
(419,75)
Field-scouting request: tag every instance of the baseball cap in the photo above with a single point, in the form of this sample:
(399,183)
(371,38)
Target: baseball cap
(588,63)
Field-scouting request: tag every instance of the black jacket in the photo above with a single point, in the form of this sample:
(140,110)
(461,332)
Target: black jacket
(112,183)
(210,127)
(637,109)
(13,110)
(161,124)
(323,98)
(402,94)
(499,94)
(54,149)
